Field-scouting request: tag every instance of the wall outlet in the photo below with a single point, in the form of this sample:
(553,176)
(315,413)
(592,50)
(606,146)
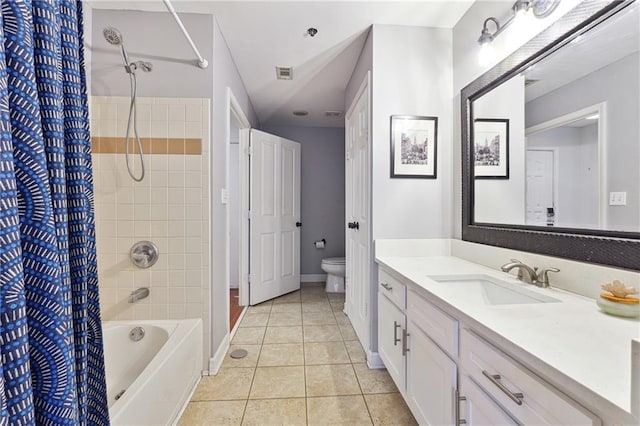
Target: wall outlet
(617,198)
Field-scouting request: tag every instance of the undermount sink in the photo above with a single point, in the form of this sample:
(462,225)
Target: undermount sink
(493,291)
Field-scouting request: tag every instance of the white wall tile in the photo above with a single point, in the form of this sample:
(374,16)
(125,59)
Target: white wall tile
(154,209)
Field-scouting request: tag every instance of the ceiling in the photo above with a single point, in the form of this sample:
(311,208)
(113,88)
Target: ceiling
(616,39)
(262,35)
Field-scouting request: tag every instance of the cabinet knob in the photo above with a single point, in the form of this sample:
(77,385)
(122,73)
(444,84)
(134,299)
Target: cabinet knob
(386,286)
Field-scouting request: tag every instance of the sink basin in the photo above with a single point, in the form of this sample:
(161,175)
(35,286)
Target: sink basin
(493,291)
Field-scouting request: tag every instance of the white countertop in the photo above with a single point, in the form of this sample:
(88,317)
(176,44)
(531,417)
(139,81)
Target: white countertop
(575,346)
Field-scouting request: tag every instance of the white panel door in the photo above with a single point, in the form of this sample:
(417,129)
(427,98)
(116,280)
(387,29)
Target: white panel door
(358,254)
(540,165)
(274,237)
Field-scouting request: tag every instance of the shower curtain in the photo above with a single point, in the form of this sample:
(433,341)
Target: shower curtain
(51,358)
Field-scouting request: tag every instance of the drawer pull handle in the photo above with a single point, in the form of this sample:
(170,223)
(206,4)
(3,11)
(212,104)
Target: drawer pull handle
(494,378)
(386,286)
(396,326)
(458,420)
(405,349)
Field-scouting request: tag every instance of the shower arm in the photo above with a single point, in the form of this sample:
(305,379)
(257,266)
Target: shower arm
(202,63)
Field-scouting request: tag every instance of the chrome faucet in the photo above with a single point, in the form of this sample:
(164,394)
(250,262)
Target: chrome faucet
(138,294)
(528,274)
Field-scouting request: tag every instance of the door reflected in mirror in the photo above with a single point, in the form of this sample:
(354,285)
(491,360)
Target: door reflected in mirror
(571,154)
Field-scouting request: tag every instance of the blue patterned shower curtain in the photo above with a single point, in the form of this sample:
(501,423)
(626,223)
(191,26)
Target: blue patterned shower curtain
(51,357)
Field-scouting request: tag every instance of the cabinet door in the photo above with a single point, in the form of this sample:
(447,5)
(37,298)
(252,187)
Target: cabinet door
(431,380)
(477,408)
(391,321)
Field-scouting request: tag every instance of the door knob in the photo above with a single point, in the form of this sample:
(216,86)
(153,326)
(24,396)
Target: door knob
(353,225)
(298,224)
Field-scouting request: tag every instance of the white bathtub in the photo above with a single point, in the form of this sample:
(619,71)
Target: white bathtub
(156,373)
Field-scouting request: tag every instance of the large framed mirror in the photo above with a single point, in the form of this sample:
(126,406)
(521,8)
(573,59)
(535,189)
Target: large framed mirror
(551,141)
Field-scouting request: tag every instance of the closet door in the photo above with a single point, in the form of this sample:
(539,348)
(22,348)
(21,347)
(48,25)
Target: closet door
(358,193)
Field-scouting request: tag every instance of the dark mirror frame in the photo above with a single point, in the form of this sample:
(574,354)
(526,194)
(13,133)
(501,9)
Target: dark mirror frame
(618,249)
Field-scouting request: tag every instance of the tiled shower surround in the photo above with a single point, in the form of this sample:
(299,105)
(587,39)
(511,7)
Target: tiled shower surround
(170,207)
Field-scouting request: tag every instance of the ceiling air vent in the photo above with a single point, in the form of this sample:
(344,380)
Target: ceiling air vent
(333,114)
(529,82)
(284,73)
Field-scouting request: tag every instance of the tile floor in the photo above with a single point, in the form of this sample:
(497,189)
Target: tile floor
(305,366)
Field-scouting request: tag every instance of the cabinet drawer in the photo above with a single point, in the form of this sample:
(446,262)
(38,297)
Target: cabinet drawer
(440,327)
(392,288)
(527,398)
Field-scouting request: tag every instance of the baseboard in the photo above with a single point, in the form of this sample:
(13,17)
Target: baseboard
(374,360)
(313,278)
(218,357)
(235,327)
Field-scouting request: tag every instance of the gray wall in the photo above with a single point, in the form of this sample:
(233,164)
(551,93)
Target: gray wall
(617,85)
(576,164)
(322,192)
(153,37)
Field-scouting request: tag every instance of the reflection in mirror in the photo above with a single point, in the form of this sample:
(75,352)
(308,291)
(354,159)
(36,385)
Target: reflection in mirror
(570,154)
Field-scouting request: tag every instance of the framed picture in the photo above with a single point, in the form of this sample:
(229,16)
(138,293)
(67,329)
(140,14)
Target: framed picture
(414,141)
(491,148)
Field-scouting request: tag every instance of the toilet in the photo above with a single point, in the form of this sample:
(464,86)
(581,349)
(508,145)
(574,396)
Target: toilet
(335,267)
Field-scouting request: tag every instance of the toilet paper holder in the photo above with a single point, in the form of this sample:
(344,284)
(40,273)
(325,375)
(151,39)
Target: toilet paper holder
(320,243)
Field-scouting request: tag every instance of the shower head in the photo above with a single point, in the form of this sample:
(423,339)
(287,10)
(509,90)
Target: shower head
(112,35)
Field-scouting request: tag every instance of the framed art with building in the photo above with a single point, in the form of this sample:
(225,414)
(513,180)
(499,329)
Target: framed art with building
(491,148)
(414,143)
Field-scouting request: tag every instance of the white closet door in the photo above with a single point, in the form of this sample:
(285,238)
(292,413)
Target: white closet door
(540,165)
(274,257)
(357,214)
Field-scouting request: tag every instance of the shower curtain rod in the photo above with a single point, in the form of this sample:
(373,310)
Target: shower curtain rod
(202,63)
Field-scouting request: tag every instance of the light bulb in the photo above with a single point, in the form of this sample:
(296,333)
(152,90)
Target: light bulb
(486,54)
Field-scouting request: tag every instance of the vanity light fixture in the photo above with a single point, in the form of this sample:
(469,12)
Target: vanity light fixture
(541,9)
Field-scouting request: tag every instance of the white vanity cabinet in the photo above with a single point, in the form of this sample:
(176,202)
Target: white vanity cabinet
(392,326)
(449,374)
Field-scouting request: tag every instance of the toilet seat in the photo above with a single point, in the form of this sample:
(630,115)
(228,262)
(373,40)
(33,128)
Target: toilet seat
(334,261)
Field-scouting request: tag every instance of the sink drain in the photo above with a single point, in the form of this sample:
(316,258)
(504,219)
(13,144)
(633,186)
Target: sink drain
(238,353)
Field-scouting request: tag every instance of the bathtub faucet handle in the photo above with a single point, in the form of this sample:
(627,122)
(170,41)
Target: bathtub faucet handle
(144,254)
(138,294)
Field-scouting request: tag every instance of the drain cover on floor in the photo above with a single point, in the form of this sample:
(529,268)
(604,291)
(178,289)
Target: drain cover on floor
(238,353)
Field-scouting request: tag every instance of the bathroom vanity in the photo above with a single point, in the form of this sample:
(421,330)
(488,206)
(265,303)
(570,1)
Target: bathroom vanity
(467,344)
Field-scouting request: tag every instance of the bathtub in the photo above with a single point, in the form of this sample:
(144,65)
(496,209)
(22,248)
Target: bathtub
(150,380)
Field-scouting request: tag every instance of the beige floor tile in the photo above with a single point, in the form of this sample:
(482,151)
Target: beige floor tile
(321,333)
(326,353)
(336,297)
(282,319)
(316,306)
(311,297)
(374,381)
(342,318)
(318,318)
(337,306)
(259,309)
(228,384)
(291,411)
(287,308)
(293,297)
(278,382)
(356,353)
(389,409)
(348,333)
(337,410)
(283,334)
(251,360)
(249,335)
(213,413)
(331,380)
(281,354)
(255,320)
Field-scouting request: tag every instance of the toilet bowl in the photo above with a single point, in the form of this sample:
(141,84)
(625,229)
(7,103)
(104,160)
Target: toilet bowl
(335,267)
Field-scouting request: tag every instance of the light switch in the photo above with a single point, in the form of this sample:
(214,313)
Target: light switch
(224,196)
(617,198)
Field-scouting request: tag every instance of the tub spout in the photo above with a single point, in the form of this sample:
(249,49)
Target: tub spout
(138,294)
